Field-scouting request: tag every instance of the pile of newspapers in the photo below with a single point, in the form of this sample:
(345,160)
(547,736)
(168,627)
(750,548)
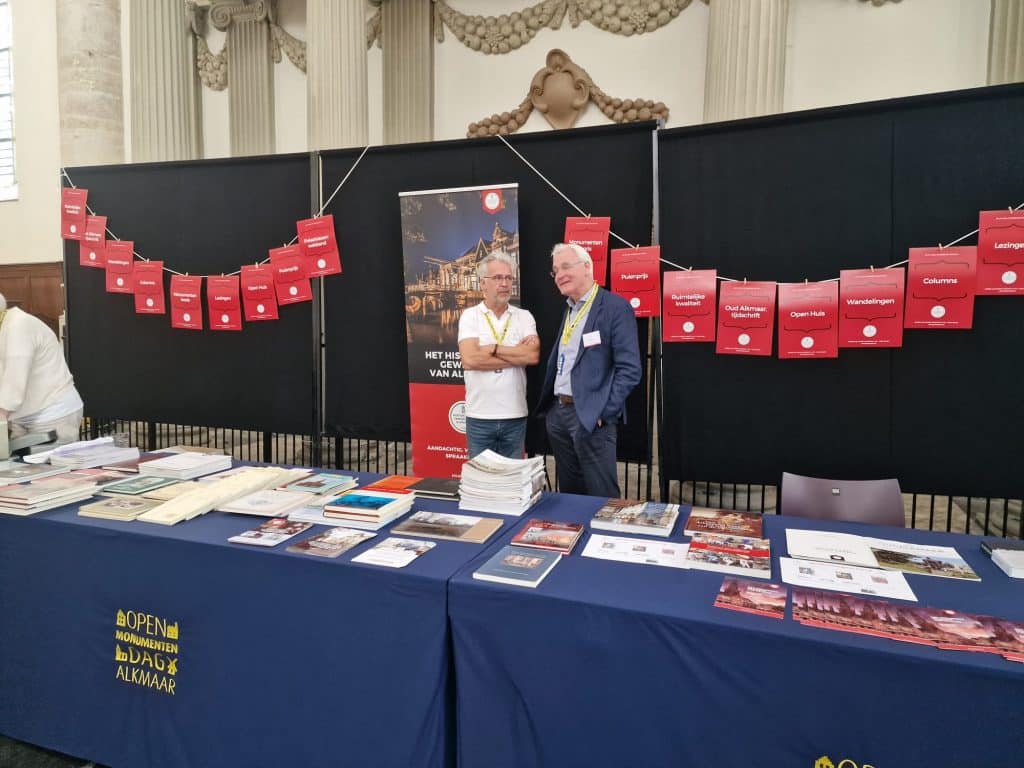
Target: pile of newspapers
(492,483)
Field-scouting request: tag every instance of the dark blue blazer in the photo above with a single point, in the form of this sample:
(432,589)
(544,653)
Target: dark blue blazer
(604,374)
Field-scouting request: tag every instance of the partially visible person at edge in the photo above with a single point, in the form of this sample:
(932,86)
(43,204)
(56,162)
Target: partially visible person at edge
(37,391)
(496,342)
(593,367)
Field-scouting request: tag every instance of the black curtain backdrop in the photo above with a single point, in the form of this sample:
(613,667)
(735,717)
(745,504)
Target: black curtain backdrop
(804,196)
(204,217)
(606,171)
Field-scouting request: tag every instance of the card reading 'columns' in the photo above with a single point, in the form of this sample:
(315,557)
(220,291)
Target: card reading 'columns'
(148,279)
(290,279)
(186,302)
(808,320)
(940,287)
(636,277)
(258,293)
(871,307)
(746,318)
(1000,253)
(92,250)
(120,255)
(591,232)
(319,246)
(223,304)
(688,300)
(73,212)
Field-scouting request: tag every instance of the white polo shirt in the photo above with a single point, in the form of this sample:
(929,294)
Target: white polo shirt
(496,394)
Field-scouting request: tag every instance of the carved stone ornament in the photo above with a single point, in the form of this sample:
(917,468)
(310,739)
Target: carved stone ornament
(560,91)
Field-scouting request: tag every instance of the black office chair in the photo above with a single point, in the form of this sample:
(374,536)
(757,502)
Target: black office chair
(864,501)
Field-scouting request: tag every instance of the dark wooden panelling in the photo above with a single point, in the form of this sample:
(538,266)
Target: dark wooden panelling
(36,288)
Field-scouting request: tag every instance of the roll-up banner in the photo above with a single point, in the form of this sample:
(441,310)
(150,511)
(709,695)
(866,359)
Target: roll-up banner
(446,233)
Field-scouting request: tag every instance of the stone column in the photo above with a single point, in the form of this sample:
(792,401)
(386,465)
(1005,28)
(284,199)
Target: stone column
(89,81)
(1006,42)
(164,92)
(337,114)
(250,73)
(746,61)
(408,43)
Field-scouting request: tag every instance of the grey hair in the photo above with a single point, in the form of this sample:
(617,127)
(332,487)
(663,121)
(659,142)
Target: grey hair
(481,268)
(581,253)
(3,303)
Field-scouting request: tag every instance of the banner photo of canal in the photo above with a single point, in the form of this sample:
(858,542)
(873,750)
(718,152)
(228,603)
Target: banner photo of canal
(446,233)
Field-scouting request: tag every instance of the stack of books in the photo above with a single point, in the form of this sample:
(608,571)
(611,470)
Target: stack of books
(1011,561)
(124,508)
(494,483)
(368,510)
(185,466)
(40,495)
(323,486)
(632,516)
(136,486)
(132,465)
(20,472)
(96,455)
(423,487)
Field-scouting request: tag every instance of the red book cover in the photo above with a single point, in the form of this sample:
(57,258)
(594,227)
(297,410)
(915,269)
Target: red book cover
(688,299)
(290,278)
(258,296)
(148,278)
(120,255)
(549,534)
(1000,253)
(636,277)
(319,246)
(591,232)
(754,597)
(808,320)
(73,212)
(940,287)
(186,302)
(92,248)
(746,318)
(871,307)
(222,300)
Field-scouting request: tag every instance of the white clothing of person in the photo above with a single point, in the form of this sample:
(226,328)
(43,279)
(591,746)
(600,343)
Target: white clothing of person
(36,387)
(496,394)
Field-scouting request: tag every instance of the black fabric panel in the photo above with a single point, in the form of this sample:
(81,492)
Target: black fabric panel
(203,218)
(364,313)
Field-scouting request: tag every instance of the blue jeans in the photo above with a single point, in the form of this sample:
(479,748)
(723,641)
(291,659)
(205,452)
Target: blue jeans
(503,436)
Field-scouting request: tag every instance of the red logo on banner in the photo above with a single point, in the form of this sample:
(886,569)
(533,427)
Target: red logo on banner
(940,287)
(492,200)
(148,278)
(636,277)
(186,302)
(746,318)
(808,320)
(223,304)
(73,212)
(92,249)
(319,246)
(258,293)
(688,305)
(591,233)
(290,275)
(119,266)
(438,425)
(871,307)
(1000,253)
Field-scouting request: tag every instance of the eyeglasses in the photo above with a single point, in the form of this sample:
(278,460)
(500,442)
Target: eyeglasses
(500,278)
(564,267)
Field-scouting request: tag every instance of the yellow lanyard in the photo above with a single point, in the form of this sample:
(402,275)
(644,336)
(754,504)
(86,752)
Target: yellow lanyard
(2,316)
(569,327)
(494,331)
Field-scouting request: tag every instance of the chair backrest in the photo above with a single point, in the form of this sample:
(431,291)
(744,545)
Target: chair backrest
(864,501)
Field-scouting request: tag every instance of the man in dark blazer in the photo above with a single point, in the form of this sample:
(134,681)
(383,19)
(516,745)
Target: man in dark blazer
(593,367)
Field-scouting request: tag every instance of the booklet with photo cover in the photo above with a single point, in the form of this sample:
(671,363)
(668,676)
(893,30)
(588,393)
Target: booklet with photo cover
(330,543)
(548,534)
(739,555)
(394,553)
(752,597)
(519,566)
(444,525)
(706,520)
(271,532)
(117,508)
(633,516)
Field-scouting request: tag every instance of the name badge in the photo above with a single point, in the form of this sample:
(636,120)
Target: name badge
(592,339)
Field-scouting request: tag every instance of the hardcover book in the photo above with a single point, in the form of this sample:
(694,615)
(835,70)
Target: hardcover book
(322,483)
(632,516)
(436,488)
(739,555)
(704,520)
(548,534)
(393,484)
(330,543)
(444,525)
(136,486)
(518,565)
(122,508)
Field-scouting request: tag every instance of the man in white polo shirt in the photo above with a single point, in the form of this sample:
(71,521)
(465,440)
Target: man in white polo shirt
(496,342)
(37,392)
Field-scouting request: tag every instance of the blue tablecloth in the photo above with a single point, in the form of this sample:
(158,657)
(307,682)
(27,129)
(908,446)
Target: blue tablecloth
(615,664)
(279,659)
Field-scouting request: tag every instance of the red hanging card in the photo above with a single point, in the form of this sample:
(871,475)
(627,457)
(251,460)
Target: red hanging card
(73,212)
(940,287)
(186,302)
(1000,253)
(223,303)
(148,277)
(871,307)
(92,249)
(808,320)
(290,278)
(591,232)
(688,300)
(746,318)
(119,266)
(636,277)
(319,246)
(258,297)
